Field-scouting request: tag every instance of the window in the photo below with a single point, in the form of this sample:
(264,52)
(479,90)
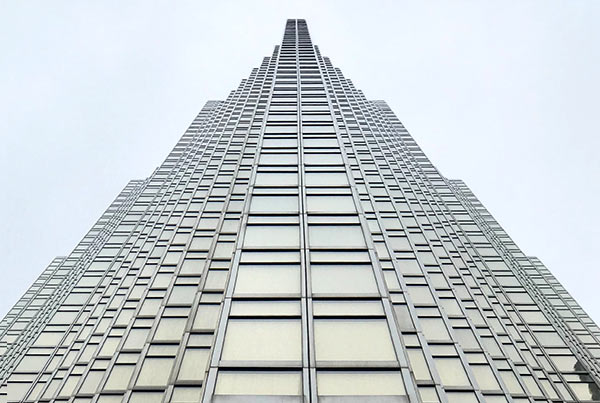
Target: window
(136,338)
(485,377)
(451,371)
(347,308)
(281,236)
(461,397)
(276,179)
(369,383)
(326,179)
(323,159)
(207,316)
(418,364)
(258,339)
(278,159)
(353,340)
(119,377)
(182,294)
(259,383)
(420,295)
(170,329)
(155,372)
(186,394)
(342,279)
(268,279)
(331,203)
(265,308)
(274,204)
(342,236)
(194,364)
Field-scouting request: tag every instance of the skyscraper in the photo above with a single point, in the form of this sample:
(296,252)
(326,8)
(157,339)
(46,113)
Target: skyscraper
(297,246)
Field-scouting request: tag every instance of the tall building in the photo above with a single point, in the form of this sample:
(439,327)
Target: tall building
(297,246)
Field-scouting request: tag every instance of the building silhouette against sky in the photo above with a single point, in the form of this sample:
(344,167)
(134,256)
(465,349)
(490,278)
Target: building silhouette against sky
(297,246)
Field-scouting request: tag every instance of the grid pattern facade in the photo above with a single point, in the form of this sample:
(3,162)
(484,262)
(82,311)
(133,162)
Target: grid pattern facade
(297,246)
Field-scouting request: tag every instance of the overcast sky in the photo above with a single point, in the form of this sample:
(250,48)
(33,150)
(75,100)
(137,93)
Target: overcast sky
(503,95)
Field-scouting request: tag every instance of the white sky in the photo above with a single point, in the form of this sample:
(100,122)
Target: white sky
(503,95)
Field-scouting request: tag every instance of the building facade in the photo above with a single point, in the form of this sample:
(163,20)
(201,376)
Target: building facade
(297,246)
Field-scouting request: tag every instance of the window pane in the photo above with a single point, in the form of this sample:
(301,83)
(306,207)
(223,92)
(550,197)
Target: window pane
(155,372)
(461,397)
(265,308)
(146,397)
(342,279)
(282,236)
(254,339)
(347,308)
(194,364)
(170,329)
(119,377)
(326,179)
(278,159)
(207,316)
(338,383)
(485,377)
(270,204)
(136,338)
(451,371)
(323,159)
(268,279)
(346,236)
(353,340)
(258,383)
(276,179)
(418,364)
(330,203)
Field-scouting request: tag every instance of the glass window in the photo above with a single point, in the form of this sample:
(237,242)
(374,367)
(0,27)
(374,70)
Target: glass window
(585,390)
(265,308)
(345,236)
(268,279)
(207,316)
(91,381)
(461,397)
(342,279)
(276,179)
(276,143)
(434,329)
(136,338)
(347,308)
(259,383)
(451,371)
(170,329)
(145,397)
(32,363)
(182,294)
(418,364)
(357,383)
(155,372)
(258,339)
(119,377)
(466,338)
(278,159)
(420,295)
(331,203)
(274,204)
(428,394)
(186,394)
(194,363)
(281,236)
(353,340)
(323,159)
(326,179)
(485,377)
